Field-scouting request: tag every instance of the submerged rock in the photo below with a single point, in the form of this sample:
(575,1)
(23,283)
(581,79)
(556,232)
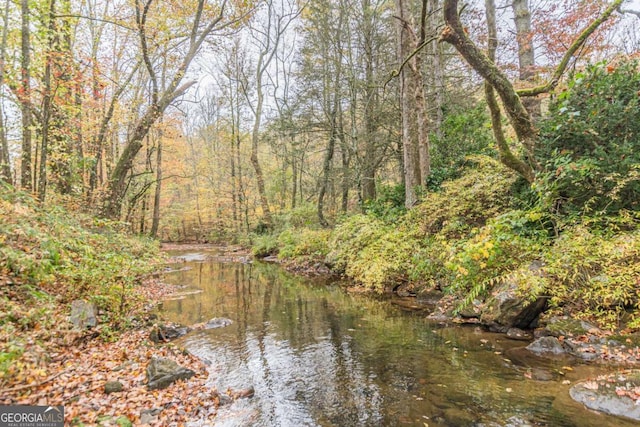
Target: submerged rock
(518,334)
(217,322)
(83,314)
(163,372)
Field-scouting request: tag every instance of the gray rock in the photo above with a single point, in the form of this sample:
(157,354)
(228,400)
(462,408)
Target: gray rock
(113,387)
(596,396)
(507,309)
(149,416)
(83,314)
(217,322)
(547,345)
(163,372)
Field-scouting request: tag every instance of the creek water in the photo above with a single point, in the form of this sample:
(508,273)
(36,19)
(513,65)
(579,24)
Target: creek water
(319,356)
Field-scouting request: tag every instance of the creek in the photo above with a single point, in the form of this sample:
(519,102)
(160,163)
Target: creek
(317,355)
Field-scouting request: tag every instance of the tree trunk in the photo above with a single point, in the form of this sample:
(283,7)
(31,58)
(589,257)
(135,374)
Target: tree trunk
(519,117)
(413,107)
(26,174)
(437,70)
(155,223)
(5,161)
(526,57)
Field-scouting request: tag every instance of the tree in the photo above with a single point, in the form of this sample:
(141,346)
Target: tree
(267,39)
(415,132)
(26,175)
(520,119)
(5,161)
(204,22)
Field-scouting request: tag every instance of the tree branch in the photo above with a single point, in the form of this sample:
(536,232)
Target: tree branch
(575,46)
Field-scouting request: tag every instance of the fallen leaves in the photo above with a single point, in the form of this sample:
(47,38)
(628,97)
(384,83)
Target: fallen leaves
(80,376)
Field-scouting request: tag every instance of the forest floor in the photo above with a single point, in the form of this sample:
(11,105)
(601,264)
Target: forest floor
(71,368)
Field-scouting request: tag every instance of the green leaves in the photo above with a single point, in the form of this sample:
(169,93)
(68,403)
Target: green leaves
(591,142)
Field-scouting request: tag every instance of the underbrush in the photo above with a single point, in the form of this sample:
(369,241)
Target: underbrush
(477,232)
(50,257)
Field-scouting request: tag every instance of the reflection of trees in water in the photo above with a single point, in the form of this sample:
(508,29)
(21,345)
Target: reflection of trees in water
(318,356)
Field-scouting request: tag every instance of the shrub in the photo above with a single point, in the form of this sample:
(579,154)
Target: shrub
(595,276)
(467,202)
(389,203)
(373,253)
(303,244)
(591,142)
(494,252)
(264,245)
(464,132)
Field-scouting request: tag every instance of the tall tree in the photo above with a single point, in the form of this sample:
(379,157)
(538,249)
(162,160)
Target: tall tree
(267,36)
(526,54)
(5,161)
(415,135)
(26,165)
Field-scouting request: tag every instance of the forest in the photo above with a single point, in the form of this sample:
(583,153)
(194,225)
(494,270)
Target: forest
(467,148)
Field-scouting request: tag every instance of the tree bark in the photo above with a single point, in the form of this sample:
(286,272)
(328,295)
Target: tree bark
(155,222)
(5,161)
(526,57)
(26,174)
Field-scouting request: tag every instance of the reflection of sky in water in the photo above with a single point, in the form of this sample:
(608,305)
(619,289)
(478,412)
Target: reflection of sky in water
(318,356)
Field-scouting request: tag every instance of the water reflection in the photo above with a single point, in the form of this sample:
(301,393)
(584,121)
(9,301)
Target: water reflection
(318,356)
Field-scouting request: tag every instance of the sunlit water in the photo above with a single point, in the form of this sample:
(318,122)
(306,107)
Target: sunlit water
(318,356)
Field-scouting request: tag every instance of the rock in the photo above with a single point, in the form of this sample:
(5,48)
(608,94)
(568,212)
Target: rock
(507,309)
(547,345)
(162,372)
(473,311)
(217,322)
(563,326)
(149,416)
(83,314)
(540,374)
(164,333)
(245,393)
(113,387)
(608,395)
(518,334)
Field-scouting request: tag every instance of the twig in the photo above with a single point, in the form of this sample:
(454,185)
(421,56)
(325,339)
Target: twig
(28,386)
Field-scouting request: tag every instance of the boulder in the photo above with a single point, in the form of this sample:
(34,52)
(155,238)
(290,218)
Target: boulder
(163,372)
(164,333)
(613,395)
(547,345)
(507,309)
(83,314)
(564,326)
